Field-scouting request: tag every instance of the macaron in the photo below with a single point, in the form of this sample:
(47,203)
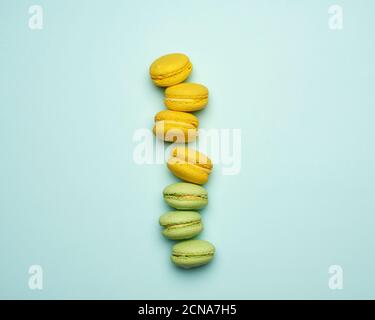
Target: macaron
(186,97)
(175,126)
(185,196)
(190,165)
(192,253)
(170,69)
(179,225)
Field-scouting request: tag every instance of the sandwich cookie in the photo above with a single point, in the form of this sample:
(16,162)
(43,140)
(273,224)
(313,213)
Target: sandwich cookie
(190,165)
(185,196)
(170,69)
(175,126)
(192,253)
(186,97)
(179,225)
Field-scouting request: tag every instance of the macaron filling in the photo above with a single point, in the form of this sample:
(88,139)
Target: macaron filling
(188,156)
(176,196)
(177,124)
(183,231)
(187,100)
(204,167)
(163,76)
(183,225)
(191,260)
(188,255)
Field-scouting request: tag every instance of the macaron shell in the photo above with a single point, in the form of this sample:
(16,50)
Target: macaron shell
(177,78)
(181,204)
(170,69)
(187,90)
(179,217)
(188,172)
(186,97)
(168,64)
(191,262)
(193,248)
(183,232)
(192,156)
(192,253)
(178,116)
(172,126)
(174,132)
(190,105)
(184,188)
(190,165)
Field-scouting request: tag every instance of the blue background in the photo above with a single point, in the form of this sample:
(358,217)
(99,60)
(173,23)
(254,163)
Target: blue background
(73,201)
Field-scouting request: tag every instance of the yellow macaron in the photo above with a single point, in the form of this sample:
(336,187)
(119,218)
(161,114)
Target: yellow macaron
(170,69)
(186,97)
(175,126)
(190,165)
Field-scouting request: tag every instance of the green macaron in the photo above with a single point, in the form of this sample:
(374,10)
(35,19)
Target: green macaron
(179,225)
(185,196)
(192,253)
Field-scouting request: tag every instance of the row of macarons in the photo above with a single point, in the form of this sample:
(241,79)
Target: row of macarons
(177,124)
(186,223)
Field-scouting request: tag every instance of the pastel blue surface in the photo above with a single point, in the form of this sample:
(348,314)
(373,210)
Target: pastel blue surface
(73,200)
